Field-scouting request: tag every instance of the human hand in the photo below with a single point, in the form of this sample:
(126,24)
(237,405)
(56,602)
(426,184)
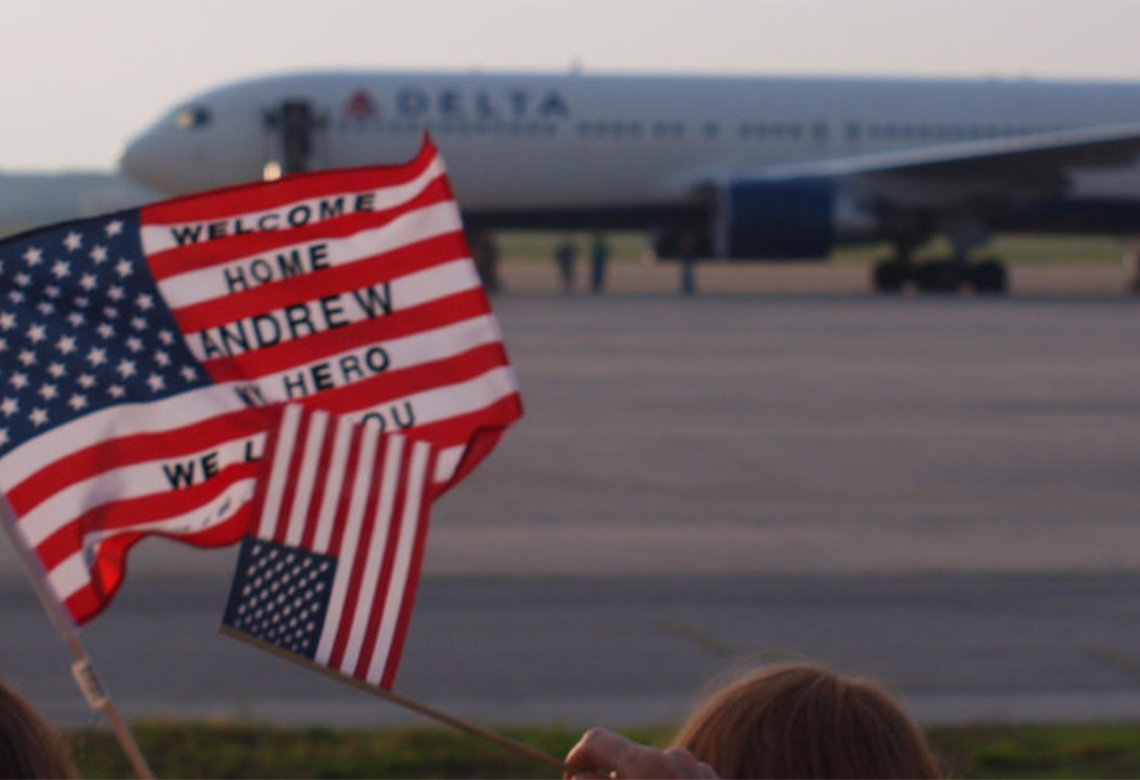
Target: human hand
(601,753)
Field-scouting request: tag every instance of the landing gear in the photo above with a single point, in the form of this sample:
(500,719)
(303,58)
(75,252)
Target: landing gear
(988,277)
(890,276)
(940,277)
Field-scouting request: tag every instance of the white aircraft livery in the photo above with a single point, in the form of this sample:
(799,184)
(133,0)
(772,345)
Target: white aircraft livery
(728,167)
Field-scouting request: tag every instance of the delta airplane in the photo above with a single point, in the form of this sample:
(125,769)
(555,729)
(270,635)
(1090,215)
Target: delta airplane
(724,167)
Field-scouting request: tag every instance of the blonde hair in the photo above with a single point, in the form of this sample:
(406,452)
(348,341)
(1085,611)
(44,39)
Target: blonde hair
(29,747)
(804,721)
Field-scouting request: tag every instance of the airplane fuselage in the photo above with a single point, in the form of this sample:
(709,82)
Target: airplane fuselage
(692,154)
(649,134)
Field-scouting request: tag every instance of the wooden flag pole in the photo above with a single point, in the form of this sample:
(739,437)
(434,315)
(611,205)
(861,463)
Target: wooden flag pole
(82,669)
(465,726)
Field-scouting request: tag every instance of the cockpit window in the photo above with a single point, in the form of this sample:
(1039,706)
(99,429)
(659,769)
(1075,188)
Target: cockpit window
(190,117)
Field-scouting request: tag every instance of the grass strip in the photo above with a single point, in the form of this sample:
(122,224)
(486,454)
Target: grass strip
(1030,250)
(207,750)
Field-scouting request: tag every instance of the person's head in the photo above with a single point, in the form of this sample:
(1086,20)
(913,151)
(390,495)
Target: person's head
(803,721)
(29,747)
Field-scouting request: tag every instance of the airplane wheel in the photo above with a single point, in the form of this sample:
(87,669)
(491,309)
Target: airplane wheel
(890,276)
(938,277)
(989,277)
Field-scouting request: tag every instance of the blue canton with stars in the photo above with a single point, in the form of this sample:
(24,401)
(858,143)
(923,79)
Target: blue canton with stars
(83,327)
(280,595)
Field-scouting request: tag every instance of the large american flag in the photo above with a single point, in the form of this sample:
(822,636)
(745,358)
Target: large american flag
(141,352)
(329,568)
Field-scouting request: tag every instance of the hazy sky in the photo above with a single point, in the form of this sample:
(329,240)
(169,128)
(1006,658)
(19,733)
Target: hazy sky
(80,77)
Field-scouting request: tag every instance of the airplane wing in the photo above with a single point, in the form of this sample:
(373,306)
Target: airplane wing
(1041,158)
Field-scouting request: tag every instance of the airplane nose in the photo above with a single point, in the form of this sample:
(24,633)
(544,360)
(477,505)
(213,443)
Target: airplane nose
(141,160)
(150,160)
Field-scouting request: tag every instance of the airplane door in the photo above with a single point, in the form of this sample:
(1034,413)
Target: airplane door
(296,138)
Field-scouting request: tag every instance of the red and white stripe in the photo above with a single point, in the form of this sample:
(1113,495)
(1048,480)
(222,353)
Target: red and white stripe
(86,491)
(348,491)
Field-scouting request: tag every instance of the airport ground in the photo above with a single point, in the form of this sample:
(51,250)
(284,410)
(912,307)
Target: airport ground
(939,492)
(1061,280)
(1038,265)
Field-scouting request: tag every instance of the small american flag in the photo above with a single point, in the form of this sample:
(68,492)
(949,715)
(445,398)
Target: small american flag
(329,569)
(141,354)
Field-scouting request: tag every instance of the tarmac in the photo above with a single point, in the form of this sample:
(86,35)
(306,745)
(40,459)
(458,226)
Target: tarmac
(938,492)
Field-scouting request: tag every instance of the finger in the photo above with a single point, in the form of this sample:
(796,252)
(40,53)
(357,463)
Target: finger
(683,763)
(598,749)
(601,750)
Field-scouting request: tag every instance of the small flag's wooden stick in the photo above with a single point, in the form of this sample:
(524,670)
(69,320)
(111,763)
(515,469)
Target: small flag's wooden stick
(83,670)
(469,728)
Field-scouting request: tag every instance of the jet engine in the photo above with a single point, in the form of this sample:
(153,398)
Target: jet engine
(795,220)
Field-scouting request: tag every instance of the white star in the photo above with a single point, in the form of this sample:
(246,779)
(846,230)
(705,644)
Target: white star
(86,381)
(126,368)
(116,391)
(57,370)
(77,401)
(7,321)
(138,323)
(37,333)
(82,301)
(38,417)
(98,254)
(9,406)
(66,344)
(34,256)
(97,356)
(114,228)
(47,308)
(76,319)
(27,357)
(19,381)
(23,279)
(16,296)
(106,330)
(49,392)
(51,291)
(61,269)
(162,358)
(3,436)
(156,382)
(123,268)
(73,241)
(166,337)
(145,302)
(115,293)
(110,312)
(189,374)
(134,344)
(87,282)
(3,345)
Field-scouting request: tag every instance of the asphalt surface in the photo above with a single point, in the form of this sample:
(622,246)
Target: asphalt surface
(937,492)
(623,650)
